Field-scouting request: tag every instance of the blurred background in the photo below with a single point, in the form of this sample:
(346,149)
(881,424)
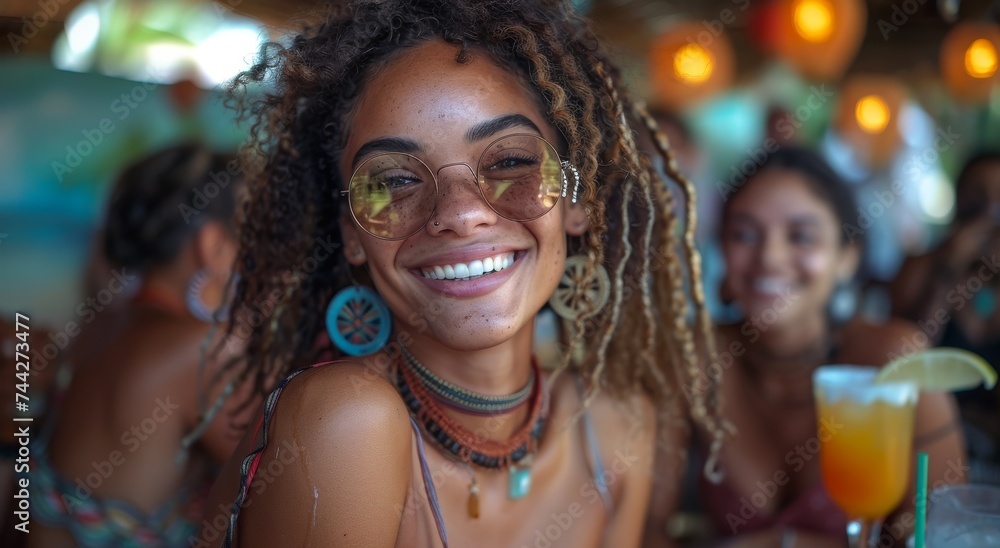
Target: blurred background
(894,93)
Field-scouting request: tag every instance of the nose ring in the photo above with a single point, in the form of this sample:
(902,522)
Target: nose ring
(437,223)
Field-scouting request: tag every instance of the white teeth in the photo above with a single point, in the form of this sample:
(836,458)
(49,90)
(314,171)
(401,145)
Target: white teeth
(463,271)
(770,285)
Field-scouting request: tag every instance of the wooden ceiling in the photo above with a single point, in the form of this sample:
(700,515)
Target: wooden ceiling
(627,24)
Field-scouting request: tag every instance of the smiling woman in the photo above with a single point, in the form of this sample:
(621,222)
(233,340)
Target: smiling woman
(469,158)
(789,267)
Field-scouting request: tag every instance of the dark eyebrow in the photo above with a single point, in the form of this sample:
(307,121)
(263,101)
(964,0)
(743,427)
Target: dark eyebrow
(797,220)
(744,217)
(385,144)
(805,220)
(489,128)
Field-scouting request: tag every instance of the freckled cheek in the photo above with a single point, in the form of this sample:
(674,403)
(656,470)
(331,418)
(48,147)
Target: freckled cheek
(381,254)
(554,261)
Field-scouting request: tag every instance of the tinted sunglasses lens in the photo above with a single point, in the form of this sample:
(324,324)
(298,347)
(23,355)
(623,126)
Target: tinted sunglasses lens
(392,195)
(521,177)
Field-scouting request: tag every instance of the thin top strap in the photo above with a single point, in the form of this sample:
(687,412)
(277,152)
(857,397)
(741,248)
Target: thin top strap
(248,468)
(596,463)
(429,485)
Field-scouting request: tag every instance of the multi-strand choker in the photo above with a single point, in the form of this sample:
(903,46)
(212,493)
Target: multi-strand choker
(464,400)
(425,393)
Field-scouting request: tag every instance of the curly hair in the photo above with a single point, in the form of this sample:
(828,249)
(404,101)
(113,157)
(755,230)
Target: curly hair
(301,124)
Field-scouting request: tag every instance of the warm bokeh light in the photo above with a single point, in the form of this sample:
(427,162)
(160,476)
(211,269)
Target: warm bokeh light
(814,20)
(872,114)
(688,65)
(693,64)
(969,61)
(981,59)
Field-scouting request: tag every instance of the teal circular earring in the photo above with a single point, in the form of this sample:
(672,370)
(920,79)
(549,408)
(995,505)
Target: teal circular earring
(984,302)
(358,321)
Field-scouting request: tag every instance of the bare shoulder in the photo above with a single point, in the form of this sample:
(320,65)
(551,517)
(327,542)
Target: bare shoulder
(625,428)
(615,417)
(624,425)
(624,417)
(342,399)
(338,445)
(867,343)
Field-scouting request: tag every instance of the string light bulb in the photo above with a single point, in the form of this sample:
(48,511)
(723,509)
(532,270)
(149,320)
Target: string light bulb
(693,64)
(969,61)
(981,59)
(813,20)
(688,64)
(872,114)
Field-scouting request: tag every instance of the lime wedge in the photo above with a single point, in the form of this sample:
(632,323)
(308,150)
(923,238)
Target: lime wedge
(946,369)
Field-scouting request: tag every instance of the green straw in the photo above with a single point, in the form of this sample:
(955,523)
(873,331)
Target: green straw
(918,534)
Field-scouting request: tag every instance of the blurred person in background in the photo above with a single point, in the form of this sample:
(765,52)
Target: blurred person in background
(788,264)
(138,433)
(952,293)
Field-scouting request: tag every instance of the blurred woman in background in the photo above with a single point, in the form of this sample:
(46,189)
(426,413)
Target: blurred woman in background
(952,293)
(135,438)
(789,267)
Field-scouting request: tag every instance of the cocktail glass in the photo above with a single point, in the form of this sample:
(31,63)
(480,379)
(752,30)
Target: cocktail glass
(866,439)
(964,516)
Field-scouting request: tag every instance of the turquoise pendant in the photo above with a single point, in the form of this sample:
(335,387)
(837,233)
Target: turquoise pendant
(519,483)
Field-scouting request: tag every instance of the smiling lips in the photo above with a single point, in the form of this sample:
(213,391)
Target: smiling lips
(468,271)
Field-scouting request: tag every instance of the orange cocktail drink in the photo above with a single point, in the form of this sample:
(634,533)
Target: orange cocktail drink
(866,439)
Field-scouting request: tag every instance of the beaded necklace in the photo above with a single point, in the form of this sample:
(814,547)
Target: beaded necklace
(464,400)
(467,446)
